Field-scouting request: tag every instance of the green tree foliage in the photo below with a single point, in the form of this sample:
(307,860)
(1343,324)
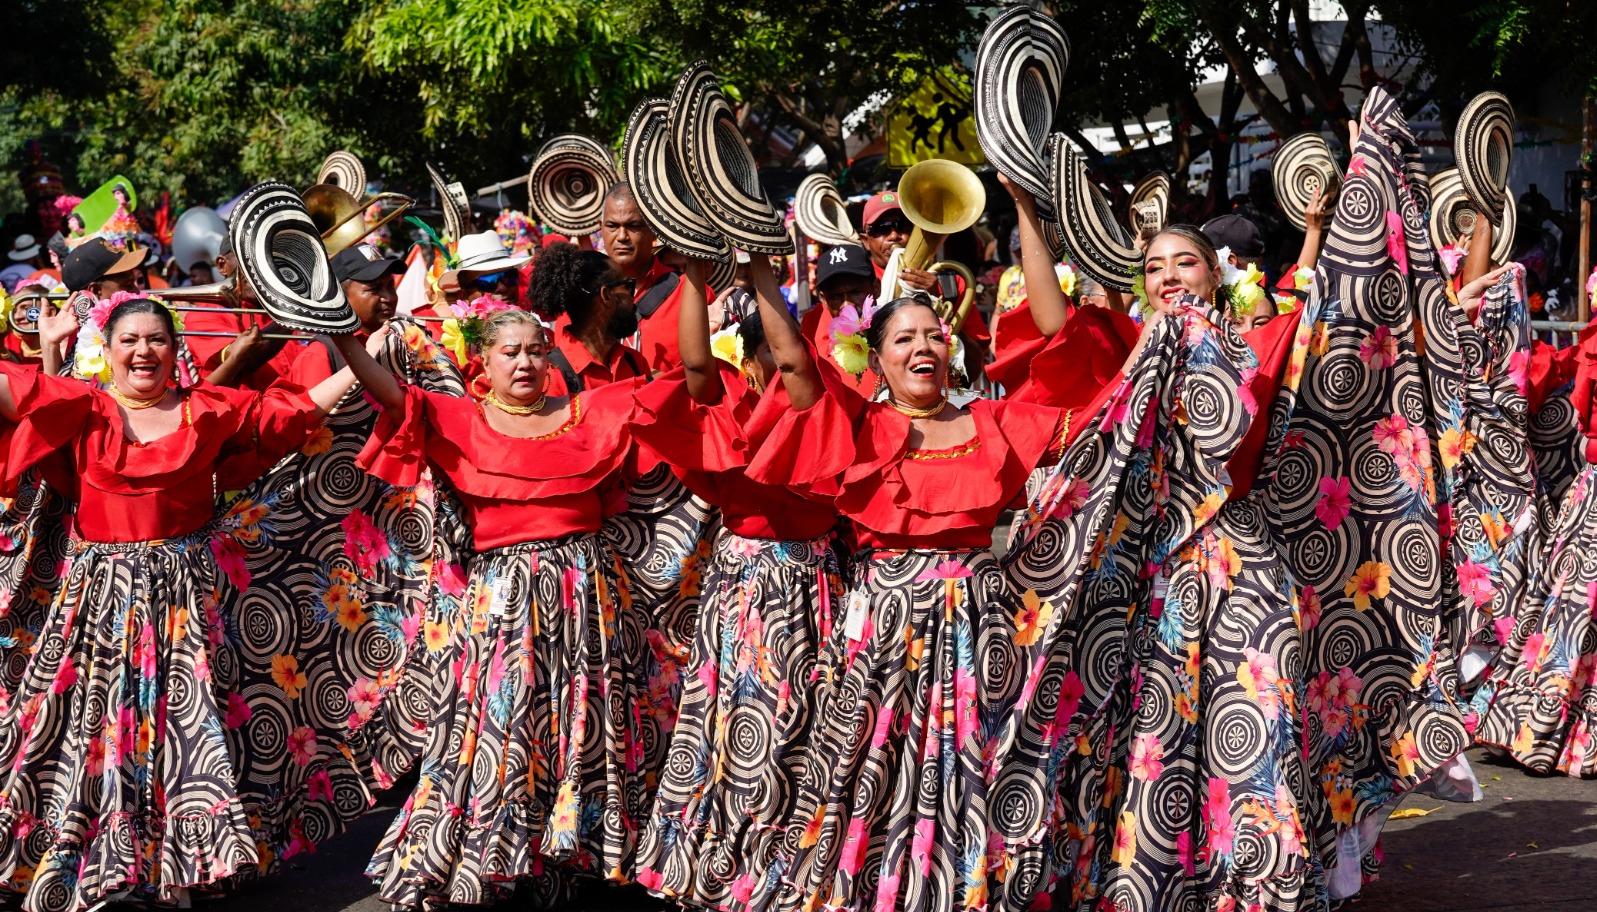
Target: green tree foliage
(201,97)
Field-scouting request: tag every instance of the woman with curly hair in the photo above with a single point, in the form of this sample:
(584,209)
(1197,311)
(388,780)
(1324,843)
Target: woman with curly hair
(591,305)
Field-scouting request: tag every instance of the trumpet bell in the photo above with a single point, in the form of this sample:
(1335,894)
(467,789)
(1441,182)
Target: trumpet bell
(341,218)
(941,196)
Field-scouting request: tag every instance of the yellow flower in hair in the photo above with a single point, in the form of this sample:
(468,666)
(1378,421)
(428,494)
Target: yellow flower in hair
(851,353)
(454,340)
(92,364)
(728,346)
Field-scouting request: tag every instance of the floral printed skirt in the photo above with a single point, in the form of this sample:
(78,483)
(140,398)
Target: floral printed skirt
(534,756)
(735,765)
(893,810)
(1543,693)
(125,739)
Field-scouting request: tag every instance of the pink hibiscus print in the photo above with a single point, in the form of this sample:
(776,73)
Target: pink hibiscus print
(1217,816)
(1336,500)
(946,570)
(1147,758)
(319,787)
(364,543)
(920,849)
(1379,349)
(451,580)
(238,711)
(1475,582)
(302,745)
(229,556)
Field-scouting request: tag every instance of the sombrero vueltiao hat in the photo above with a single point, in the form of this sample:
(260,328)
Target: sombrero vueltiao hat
(454,203)
(1150,203)
(650,162)
(1454,214)
(1484,147)
(1020,73)
(1098,244)
(344,171)
(1303,165)
(819,211)
(569,178)
(280,253)
(720,169)
(722,274)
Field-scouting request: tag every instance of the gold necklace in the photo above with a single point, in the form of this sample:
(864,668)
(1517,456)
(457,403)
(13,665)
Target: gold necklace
(910,411)
(131,403)
(537,406)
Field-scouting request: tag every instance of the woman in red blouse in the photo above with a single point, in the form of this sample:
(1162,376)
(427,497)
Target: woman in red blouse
(893,812)
(536,750)
(768,598)
(126,732)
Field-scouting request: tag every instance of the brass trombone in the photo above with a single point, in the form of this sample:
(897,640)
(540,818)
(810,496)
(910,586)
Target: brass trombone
(340,217)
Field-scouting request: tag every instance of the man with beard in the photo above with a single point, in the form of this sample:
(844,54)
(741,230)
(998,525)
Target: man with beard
(593,301)
(657,289)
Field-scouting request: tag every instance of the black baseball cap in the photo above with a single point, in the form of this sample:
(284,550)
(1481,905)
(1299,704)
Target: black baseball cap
(364,263)
(1237,232)
(94,259)
(843,260)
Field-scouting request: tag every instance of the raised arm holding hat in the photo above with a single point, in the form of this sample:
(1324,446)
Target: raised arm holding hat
(368,279)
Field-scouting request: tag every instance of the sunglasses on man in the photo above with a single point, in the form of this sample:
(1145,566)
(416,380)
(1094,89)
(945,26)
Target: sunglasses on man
(631,286)
(491,281)
(882,227)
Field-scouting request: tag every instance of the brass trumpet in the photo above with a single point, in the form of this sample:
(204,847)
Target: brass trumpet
(940,198)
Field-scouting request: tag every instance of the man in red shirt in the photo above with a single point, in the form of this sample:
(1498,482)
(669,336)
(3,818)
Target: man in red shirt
(368,278)
(657,291)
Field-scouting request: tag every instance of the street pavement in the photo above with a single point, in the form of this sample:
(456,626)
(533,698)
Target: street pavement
(1529,846)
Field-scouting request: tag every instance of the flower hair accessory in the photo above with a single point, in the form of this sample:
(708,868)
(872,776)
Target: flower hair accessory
(464,331)
(1243,288)
(849,348)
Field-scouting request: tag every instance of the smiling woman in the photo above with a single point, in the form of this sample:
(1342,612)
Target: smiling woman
(142,460)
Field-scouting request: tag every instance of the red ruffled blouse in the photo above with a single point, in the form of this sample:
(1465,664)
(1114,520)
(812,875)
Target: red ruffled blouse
(1550,368)
(165,488)
(514,489)
(903,499)
(709,448)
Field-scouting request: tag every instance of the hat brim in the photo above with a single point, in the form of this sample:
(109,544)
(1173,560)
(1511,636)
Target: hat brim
(497,264)
(1094,237)
(1019,80)
(376,269)
(457,217)
(343,170)
(661,188)
(1453,211)
(820,212)
(20,256)
(1150,203)
(721,275)
(131,259)
(1303,167)
(279,252)
(1484,147)
(721,170)
(567,185)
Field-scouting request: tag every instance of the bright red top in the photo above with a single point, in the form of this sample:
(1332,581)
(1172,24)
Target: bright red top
(515,489)
(158,489)
(657,332)
(208,350)
(896,498)
(709,447)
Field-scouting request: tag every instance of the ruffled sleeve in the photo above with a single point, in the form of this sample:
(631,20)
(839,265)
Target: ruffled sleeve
(810,447)
(1016,341)
(692,436)
(397,447)
(1081,365)
(259,428)
(51,414)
